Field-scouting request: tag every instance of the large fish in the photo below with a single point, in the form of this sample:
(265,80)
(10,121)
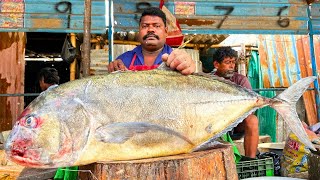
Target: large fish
(134,115)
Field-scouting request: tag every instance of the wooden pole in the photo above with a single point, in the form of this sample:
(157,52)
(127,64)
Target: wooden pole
(86,39)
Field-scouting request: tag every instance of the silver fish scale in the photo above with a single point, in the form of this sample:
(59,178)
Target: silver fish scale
(148,97)
(152,96)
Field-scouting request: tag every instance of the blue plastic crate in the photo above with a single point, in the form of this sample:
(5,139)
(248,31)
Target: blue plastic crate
(255,168)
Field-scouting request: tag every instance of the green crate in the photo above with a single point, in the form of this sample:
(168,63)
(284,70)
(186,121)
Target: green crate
(255,168)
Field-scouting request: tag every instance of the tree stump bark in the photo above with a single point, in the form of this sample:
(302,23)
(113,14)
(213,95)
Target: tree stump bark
(210,164)
(314,165)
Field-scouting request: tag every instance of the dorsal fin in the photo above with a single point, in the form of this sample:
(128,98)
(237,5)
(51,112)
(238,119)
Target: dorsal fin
(164,67)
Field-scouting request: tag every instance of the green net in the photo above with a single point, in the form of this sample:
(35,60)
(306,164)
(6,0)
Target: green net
(266,115)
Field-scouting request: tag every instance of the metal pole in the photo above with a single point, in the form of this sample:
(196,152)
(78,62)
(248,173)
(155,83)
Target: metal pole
(276,89)
(86,39)
(110,31)
(313,62)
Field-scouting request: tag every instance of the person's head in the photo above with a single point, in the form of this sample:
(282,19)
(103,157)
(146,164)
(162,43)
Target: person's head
(224,61)
(47,77)
(152,29)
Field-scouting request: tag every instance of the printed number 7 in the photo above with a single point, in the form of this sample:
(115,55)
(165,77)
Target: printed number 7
(228,10)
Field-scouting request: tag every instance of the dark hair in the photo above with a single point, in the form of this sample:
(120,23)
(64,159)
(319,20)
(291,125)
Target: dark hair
(49,75)
(224,52)
(154,11)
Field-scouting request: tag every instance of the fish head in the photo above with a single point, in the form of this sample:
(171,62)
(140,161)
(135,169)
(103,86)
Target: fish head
(42,136)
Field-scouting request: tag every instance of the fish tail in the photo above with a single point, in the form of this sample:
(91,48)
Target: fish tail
(285,105)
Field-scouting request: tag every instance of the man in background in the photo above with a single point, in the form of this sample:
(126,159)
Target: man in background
(48,78)
(224,62)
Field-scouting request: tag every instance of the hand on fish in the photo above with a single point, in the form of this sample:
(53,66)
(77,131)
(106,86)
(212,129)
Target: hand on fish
(116,65)
(180,60)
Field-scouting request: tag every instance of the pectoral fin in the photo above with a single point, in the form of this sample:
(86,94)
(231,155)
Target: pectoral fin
(121,132)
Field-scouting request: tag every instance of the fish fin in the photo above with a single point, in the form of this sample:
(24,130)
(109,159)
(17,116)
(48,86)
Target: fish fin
(119,71)
(212,140)
(226,81)
(208,75)
(211,145)
(164,67)
(287,108)
(121,132)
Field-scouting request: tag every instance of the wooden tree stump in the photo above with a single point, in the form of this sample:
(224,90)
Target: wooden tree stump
(211,164)
(314,165)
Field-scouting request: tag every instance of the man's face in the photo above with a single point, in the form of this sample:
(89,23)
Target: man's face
(42,84)
(152,33)
(226,67)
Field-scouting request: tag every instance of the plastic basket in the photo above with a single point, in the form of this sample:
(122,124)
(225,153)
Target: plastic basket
(255,168)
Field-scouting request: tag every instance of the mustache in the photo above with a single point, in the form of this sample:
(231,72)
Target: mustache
(149,35)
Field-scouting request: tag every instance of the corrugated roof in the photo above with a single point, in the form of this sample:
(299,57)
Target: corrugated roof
(286,58)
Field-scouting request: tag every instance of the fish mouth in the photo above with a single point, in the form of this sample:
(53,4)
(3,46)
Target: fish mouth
(17,152)
(25,161)
(21,157)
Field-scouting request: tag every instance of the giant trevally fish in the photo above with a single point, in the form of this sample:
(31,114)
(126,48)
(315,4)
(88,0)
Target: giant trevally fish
(135,115)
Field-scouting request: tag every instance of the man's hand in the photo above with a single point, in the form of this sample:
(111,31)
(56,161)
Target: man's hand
(180,60)
(116,65)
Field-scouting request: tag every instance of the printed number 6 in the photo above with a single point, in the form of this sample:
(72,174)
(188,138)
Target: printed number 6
(283,22)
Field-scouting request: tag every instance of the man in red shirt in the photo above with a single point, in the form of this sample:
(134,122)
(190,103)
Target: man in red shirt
(224,61)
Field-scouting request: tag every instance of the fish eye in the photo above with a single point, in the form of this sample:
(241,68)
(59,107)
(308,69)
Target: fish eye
(30,122)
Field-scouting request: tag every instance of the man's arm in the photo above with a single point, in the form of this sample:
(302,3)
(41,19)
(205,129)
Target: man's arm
(122,62)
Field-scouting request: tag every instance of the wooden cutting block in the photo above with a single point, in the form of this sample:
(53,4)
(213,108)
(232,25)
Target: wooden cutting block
(8,170)
(210,164)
